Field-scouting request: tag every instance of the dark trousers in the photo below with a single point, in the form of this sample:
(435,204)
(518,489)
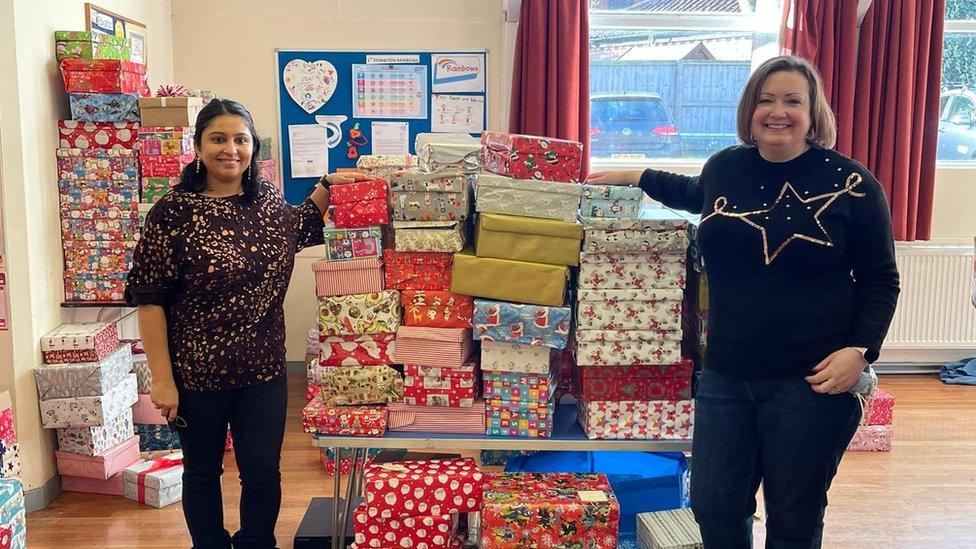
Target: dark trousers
(256,416)
(777,432)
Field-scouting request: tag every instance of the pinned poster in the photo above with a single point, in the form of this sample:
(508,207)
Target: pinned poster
(457,113)
(462,72)
(391,138)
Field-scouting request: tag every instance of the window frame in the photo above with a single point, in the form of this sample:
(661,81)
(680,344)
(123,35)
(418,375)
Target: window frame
(955,26)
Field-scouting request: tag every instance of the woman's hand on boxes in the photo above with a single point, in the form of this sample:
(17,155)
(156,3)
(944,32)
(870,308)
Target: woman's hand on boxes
(622,178)
(166,399)
(320,194)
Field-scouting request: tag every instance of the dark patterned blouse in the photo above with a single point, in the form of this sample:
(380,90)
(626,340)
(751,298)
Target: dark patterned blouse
(220,268)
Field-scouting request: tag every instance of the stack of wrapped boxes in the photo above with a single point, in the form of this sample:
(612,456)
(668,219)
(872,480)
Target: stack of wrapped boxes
(97,165)
(166,142)
(13,514)
(87,390)
(267,166)
(633,381)
(155,434)
(875,432)
(9,447)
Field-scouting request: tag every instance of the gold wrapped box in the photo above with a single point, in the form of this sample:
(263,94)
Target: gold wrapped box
(528,239)
(507,280)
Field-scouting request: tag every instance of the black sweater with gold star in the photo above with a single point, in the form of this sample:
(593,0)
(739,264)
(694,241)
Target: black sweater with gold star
(799,254)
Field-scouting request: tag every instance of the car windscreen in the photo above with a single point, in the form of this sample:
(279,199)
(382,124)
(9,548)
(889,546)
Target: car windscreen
(608,113)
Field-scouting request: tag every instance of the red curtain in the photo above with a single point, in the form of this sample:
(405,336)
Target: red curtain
(883,82)
(551,76)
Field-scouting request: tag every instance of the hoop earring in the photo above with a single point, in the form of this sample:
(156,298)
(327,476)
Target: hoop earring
(198,164)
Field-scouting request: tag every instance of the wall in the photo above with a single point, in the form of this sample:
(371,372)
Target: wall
(32,99)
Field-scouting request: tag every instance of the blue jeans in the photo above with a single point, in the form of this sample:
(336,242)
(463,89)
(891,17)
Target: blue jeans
(778,432)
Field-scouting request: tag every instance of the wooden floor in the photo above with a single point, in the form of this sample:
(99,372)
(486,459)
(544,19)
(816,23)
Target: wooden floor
(923,494)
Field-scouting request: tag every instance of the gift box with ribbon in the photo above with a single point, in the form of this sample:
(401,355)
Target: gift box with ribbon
(156,482)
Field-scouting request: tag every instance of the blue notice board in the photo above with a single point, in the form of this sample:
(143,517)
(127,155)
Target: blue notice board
(353,103)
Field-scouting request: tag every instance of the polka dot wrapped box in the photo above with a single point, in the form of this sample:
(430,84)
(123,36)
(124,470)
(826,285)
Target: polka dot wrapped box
(421,532)
(75,134)
(423,487)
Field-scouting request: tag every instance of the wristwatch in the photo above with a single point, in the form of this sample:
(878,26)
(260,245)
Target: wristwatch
(324,182)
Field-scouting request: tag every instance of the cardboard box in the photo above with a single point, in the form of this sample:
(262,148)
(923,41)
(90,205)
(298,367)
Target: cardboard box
(169,111)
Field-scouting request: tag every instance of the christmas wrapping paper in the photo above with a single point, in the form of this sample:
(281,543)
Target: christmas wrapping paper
(151,195)
(8,434)
(103,76)
(312,392)
(649,220)
(327,456)
(360,204)
(80,342)
(140,367)
(610,201)
(627,347)
(96,256)
(154,438)
(358,385)
(432,390)
(417,270)
(83,379)
(102,107)
(97,165)
(636,419)
(420,532)
(509,357)
(169,111)
(671,529)
(636,241)
(165,166)
(75,134)
(348,244)
(528,239)
(467,371)
(438,157)
(879,408)
(101,467)
(419,196)
(12,510)
(428,236)
(871,438)
(383,166)
(505,280)
(100,287)
(315,372)
(112,486)
(448,347)
(165,141)
(542,199)
(357,276)
(596,385)
(622,271)
(145,412)
(157,482)
(364,421)
(372,313)
(411,488)
(69,211)
(101,230)
(436,309)
(90,45)
(356,350)
(524,324)
(531,157)
(438,419)
(518,386)
(95,441)
(513,418)
(98,199)
(549,510)
(647,309)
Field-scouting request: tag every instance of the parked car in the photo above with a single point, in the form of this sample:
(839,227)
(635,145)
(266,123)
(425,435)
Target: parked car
(632,126)
(957,125)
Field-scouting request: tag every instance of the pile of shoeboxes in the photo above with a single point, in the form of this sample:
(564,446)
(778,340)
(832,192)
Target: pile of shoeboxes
(165,140)
(875,432)
(155,434)
(9,446)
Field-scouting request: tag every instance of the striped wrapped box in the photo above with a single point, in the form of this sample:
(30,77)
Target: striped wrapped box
(448,347)
(672,529)
(99,467)
(404,417)
(357,276)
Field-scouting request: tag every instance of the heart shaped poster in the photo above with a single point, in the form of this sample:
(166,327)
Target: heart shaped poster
(310,84)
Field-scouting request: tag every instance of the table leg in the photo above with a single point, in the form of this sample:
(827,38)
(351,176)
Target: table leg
(336,544)
(351,483)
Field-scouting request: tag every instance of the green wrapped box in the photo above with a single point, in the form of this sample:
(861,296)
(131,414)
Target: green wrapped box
(87,45)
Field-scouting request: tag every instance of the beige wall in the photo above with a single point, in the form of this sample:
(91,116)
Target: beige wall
(32,99)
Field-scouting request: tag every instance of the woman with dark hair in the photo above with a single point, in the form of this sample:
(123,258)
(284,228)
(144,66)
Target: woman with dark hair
(209,277)
(802,282)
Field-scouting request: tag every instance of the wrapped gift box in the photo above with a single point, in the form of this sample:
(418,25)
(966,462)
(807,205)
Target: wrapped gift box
(871,438)
(627,347)
(328,458)
(75,134)
(610,201)
(424,138)
(649,220)
(640,382)
(542,199)
(518,386)
(364,421)
(90,45)
(83,379)
(358,385)
(104,107)
(671,529)
(98,199)
(112,486)
(101,230)
(206,95)
(636,419)
(372,313)
(528,239)
(13,514)
(549,510)
(97,165)
(154,438)
(11,463)
(145,412)
(151,195)
(95,256)
(418,196)
(103,76)
(165,166)
(468,371)
(8,433)
(428,236)
(657,229)
(438,419)
(140,367)
(524,324)
(411,488)
(426,531)
(526,419)
(622,271)
(165,141)
(101,467)
(417,270)
(268,171)
(357,276)
(449,347)
(436,386)
(509,357)
(100,287)
(531,157)
(436,309)
(356,350)
(91,342)
(349,244)
(95,441)
(315,371)
(169,111)
(438,157)
(157,482)
(383,166)
(879,408)
(360,204)
(506,280)
(70,211)
(647,309)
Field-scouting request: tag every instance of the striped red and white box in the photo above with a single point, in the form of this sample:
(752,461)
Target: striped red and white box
(112,486)
(356,276)
(448,347)
(405,417)
(144,411)
(99,467)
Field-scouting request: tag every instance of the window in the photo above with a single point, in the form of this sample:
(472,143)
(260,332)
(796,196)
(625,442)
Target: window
(957,125)
(665,75)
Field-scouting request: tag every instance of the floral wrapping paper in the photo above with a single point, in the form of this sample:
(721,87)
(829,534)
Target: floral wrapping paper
(640,382)
(514,357)
(140,367)
(419,196)
(420,532)
(357,350)
(165,166)
(526,419)
(101,230)
(156,488)
(365,421)
(531,157)
(621,271)
(437,157)
(360,204)
(610,201)
(541,510)
(627,347)
(428,236)
(543,199)
(97,287)
(879,408)
(871,438)
(648,309)
(154,438)
(103,76)
(96,257)
(348,244)
(636,419)
(412,488)
(436,309)
(89,45)
(358,385)
(447,347)
(357,276)
(103,107)
(524,324)
(95,441)
(373,313)
(518,386)
(83,379)
(383,166)
(417,270)
(80,342)
(75,134)
(98,165)
(98,199)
